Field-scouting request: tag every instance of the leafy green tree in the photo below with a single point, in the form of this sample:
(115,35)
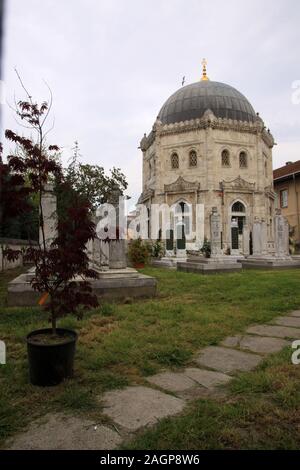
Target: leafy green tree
(91,182)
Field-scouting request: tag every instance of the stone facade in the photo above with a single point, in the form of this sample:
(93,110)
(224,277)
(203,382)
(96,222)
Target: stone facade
(200,176)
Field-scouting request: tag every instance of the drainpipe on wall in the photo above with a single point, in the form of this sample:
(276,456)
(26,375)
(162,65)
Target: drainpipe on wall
(297,204)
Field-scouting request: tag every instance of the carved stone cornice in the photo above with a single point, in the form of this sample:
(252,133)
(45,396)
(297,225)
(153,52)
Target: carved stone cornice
(268,138)
(238,184)
(269,191)
(147,194)
(181,186)
(147,141)
(208,120)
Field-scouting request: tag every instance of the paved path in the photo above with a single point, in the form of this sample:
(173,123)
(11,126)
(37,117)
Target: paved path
(167,393)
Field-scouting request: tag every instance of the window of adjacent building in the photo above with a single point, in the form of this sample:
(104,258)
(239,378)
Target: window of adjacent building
(193,158)
(174,161)
(243,160)
(284,198)
(225,158)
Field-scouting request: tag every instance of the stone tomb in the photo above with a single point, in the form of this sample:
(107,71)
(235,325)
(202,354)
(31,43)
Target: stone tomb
(218,262)
(281,259)
(115,280)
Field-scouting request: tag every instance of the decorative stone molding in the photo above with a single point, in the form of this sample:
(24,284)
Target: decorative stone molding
(147,141)
(147,194)
(268,138)
(208,120)
(181,185)
(238,184)
(269,191)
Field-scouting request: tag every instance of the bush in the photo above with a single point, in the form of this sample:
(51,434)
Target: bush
(138,251)
(157,249)
(206,248)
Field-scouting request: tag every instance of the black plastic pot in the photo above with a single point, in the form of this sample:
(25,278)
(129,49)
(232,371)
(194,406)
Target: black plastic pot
(50,364)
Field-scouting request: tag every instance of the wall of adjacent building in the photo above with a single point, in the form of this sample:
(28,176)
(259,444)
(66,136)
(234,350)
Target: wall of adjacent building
(292,211)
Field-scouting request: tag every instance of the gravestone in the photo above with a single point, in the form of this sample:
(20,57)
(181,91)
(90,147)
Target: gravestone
(257,238)
(234,235)
(218,262)
(281,226)
(264,238)
(49,205)
(108,259)
(261,258)
(215,233)
(117,247)
(246,240)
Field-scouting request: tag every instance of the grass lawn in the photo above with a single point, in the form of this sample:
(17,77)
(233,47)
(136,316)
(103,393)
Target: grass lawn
(121,344)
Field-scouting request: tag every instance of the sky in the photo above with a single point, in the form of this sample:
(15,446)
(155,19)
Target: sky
(111,65)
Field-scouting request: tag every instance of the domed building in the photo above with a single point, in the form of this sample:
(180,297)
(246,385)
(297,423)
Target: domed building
(208,148)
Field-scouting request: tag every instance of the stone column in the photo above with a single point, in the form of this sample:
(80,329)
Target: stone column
(281,227)
(49,208)
(215,233)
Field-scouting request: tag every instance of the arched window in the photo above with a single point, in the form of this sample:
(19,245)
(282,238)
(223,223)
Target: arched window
(238,207)
(174,161)
(193,158)
(243,160)
(225,158)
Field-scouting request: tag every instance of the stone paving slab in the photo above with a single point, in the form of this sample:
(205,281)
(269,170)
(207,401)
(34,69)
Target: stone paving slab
(227,360)
(275,331)
(256,344)
(60,432)
(135,407)
(288,321)
(232,341)
(295,313)
(207,378)
(172,381)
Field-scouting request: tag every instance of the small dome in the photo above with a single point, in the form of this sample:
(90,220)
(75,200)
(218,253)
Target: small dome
(191,102)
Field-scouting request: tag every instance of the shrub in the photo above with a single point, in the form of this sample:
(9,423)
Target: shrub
(138,251)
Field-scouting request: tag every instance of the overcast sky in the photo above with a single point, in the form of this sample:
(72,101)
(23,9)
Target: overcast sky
(111,65)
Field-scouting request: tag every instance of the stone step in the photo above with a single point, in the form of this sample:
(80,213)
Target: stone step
(227,360)
(136,407)
(295,313)
(287,321)
(57,431)
(212,268)
(256,344)
(275,331)
(188,379)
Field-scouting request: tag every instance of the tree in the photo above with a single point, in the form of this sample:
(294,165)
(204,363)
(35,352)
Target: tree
(15,201)
(91,182)
(56,266)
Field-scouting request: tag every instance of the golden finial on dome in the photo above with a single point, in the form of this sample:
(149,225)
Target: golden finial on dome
(204,76)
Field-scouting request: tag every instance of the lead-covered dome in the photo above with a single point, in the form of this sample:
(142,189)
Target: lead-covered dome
(191,102)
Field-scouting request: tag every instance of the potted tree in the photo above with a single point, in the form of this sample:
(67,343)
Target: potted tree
(62,266)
